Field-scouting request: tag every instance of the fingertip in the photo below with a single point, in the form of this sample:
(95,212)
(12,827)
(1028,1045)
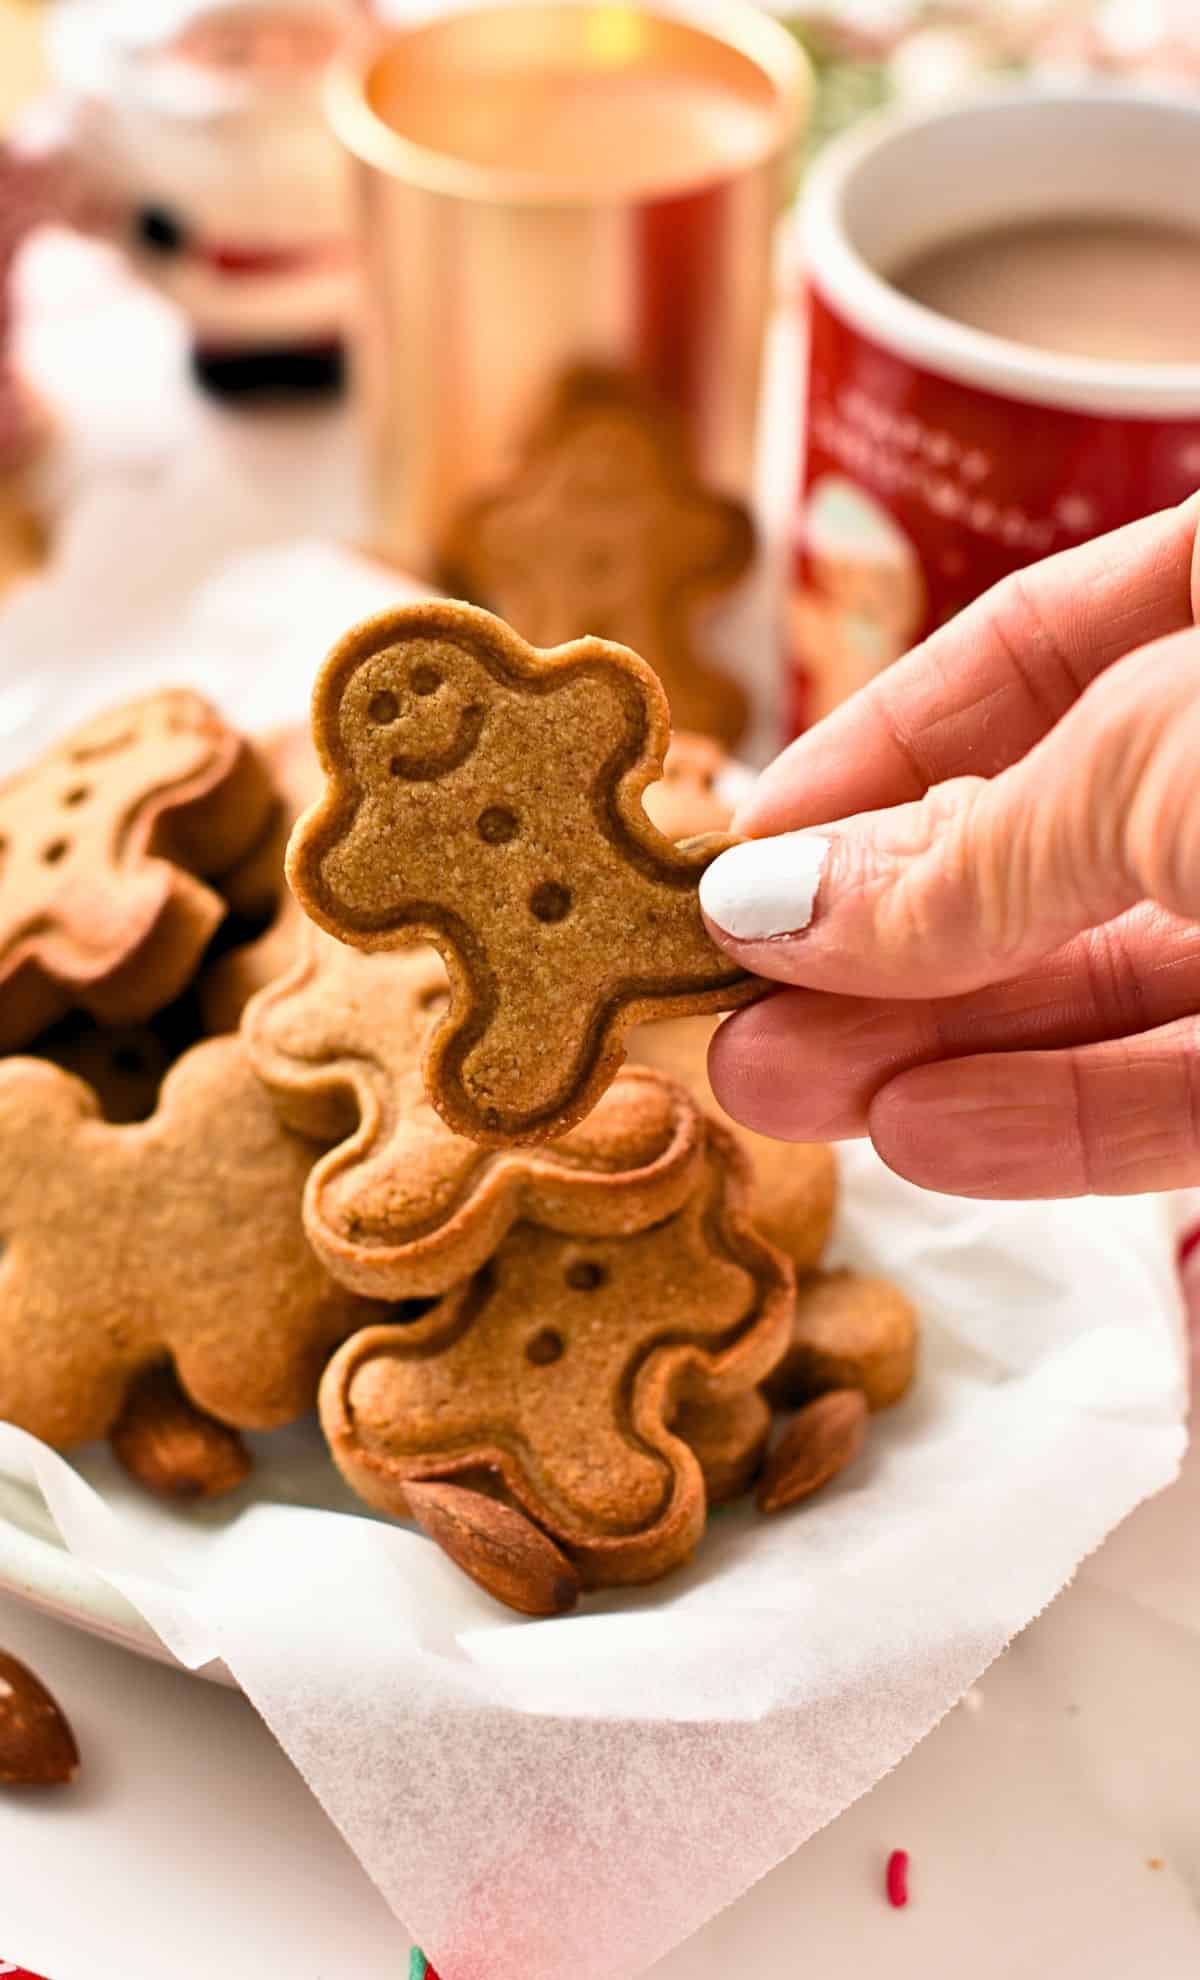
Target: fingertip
(761,1076)
(731,1054)
(962,1127)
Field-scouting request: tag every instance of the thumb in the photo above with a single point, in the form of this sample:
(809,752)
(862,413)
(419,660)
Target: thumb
(980,879)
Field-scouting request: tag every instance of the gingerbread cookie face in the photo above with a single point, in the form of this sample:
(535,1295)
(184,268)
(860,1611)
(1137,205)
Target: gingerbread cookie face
(556,1372)
(405,1207)
(603,529)
(177,1238)
(486,797)
(795,1183)
(687,801)
(102,843)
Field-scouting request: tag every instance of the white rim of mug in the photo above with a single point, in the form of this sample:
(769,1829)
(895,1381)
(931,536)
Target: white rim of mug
(935,343)
(751,33)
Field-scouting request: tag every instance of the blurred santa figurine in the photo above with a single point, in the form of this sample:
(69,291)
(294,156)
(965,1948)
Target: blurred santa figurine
(201,128)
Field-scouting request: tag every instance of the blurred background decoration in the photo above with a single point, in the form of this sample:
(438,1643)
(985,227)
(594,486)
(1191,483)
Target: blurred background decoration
(869,53)
(193,137)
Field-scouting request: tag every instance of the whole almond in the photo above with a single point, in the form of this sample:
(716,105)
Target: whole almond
(509,1557)
(173,1448)
(820,1441)
(37,1746)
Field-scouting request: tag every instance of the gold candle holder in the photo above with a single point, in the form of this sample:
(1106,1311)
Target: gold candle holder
(557,193)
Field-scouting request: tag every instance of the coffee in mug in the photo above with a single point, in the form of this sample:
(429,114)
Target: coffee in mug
(1004,358)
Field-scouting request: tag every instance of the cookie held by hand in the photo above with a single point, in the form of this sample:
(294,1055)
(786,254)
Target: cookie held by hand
(178,1239)
(486,797)
(403,1206)
(554,1376)
(102,843)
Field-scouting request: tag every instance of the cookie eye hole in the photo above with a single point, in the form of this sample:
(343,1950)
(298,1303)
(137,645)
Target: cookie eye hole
(585,1275)
(550,902)
(78,794)
(496,826)
(545,1347)
(57,850)
(129,1060)
(425,679)
(436,998)
(383,707)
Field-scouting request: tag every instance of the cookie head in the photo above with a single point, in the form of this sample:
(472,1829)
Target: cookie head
(432,723)
(415,714)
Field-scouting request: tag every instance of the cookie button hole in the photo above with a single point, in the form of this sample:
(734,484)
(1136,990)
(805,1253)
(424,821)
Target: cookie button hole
(129,1060)
(550,902)
(496,826)
(57,850)
(383,707)
(545,1347)
(425,680)
(78,794)
(586,1276)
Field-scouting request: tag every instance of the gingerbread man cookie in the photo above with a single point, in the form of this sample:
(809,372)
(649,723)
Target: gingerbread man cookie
(101,843)
(256,889)
(404,1206)
(178,1238)
(604,529)
(554,1375)
(486,797)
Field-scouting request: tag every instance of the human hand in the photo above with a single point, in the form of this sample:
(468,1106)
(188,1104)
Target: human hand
(996,947)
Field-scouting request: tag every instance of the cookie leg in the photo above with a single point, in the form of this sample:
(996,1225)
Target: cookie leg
(728,1440)
(849,1332)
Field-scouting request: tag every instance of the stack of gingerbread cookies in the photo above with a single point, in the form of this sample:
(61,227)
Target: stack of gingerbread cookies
(372,1141)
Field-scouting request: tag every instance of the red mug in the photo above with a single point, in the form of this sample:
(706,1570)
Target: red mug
(938,457)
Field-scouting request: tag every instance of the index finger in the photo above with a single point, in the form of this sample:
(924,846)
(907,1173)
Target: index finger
(981,690)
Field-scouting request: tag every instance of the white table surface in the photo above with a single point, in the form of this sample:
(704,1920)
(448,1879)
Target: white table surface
(189,1848)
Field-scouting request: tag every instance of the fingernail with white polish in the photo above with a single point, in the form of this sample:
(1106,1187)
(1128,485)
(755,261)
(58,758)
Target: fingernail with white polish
(765,887)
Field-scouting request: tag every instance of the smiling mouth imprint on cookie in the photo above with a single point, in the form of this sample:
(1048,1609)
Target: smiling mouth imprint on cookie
(485,796)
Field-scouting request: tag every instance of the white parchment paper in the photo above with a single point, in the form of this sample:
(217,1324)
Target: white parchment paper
(567,1800)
